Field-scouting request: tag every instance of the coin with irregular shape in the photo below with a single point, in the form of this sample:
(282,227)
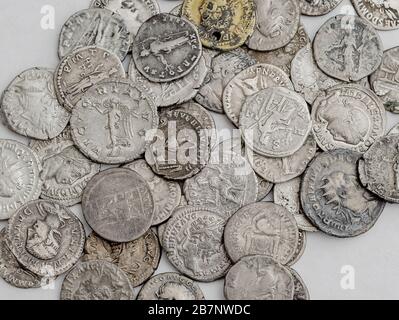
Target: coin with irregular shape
(96,280)
(95,27)
(333,198)
(382,14)
(82,69)
(275,122)
(348,48)
(118,205)
(248,82)
(224,67)
(66,171)
(193,241)
(300,290)
(176,11)
(46,237)
(264,188)
(166,48)
(259,278)
(348,116)
(138,258)
(111,122)
(300,249)
(19,177)
(318,7)
(166,194)
(276,24)
(222,24)
(30,105)
(170,286)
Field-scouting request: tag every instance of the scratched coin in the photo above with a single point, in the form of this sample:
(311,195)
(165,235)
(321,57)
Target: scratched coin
(382,14)
(318,7)
(300,290)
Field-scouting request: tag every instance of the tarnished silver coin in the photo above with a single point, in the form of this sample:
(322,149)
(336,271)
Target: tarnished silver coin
(382,14)
(170,286)
(348,116)
(111,122)
(300,290)
(96,280)
(276,24)
(19,177)
(318,7)
(30,105)
(66,170)
(176,11)
(300,249)
(193,241)
(348,48)
(333,198)
(82,69)
(166,194)
(95,27)
(248,82)
(259,278)
(46,237)
(264,188)
(118,205)
(262,228)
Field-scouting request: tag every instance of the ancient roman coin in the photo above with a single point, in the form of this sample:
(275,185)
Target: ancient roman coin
(193,241)
(318,7)
(382,14)
(348,48)
(262,228)
(170,286)
(275,122)
(66,170)
(300,249)
(138,258)
(300,290)
(276,24)
(166,48)
(46,237)
(19,177)
(348,116)
(333,198)
(111,122)
(82,69)
(259,278)
(264,188)
(96,280)
(394,130)
(166,194)
(118,205)
(30,105)
(95,27)
(176,11)
(249,82)
(222,24)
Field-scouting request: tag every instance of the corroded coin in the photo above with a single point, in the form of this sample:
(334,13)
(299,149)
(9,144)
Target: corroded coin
(318,7)
(300,290)
(300,249)
(382,14)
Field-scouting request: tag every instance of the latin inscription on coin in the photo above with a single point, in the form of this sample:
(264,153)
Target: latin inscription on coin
(383,14)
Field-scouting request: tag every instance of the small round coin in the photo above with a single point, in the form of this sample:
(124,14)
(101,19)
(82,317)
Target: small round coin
(382,14)
(318,7)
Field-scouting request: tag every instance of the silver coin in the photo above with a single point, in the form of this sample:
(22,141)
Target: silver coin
(170,286)
(382,14)
(166,194)
(333,198)
(97,64)
(193,241)
(96,280)
(248,82)
(318,7)
(30,105)
(259,278)
(65,170)
(46,237)
(118,205)
(166,48)
(394,130)
(276,24)
(111,122)
(275,122)
(264,188)
(300,249)
(348,116)
(95,27)
(224,67)
(176,11)
(19,177)
(300,290)
(348,48)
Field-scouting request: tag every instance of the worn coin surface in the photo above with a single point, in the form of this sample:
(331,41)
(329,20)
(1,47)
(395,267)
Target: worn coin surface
(264,188)
(348,116)
(82,69)
(259,278)
(118,205)
(333,198)
(30,105)
(96,280)
(348,48)
(318,7)
(300,249)
(300,290)
(394,130)
(382,14)
(177,10)
(170,286)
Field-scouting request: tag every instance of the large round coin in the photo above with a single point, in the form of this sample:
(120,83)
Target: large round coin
(383,15)
(318,7)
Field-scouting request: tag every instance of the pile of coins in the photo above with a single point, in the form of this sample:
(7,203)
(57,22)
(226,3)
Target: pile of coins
(312,124)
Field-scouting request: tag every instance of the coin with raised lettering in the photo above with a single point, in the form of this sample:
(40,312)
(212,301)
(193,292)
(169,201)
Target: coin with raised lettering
(318,7)
(382,14)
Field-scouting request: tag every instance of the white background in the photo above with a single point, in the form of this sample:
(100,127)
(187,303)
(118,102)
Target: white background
(374,256)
